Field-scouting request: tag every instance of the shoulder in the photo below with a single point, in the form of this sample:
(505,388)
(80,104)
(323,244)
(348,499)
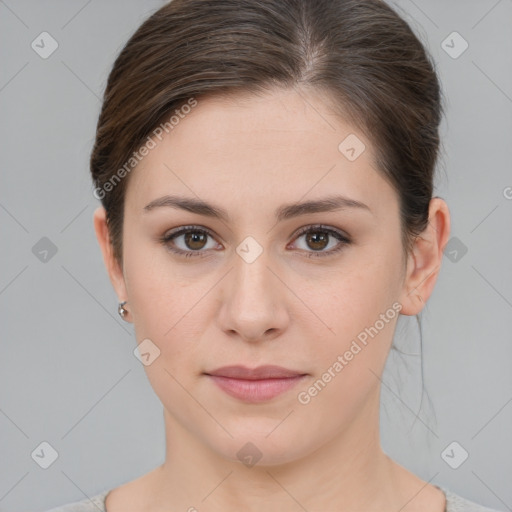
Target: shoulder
(456,503)
(95,504)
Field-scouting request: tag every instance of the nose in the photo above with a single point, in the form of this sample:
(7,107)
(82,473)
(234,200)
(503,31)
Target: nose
(254,301)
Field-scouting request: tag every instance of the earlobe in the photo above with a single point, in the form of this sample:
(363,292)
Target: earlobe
(111,264)
(424,262)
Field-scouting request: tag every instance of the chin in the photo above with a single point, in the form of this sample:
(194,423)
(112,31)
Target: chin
(261,443)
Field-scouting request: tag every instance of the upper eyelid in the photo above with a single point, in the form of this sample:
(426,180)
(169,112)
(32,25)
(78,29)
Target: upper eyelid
(184,229)
(319,227)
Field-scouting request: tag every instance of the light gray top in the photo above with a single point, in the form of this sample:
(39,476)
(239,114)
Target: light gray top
(454,503)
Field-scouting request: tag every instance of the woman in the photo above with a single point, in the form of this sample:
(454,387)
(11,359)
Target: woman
(266,171)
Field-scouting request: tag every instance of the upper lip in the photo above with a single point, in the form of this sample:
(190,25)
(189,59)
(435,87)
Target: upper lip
(261,372)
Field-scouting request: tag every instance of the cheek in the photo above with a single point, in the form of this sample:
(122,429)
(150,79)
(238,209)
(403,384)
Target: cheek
(349,362)
(354,296)
(360,308)
(163,301)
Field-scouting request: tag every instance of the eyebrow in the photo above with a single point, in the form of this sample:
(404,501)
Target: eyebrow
(285,212)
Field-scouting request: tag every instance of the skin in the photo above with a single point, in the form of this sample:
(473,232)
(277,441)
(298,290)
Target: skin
(251,155)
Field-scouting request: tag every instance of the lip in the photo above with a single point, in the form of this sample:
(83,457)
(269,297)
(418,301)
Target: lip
(254,385)
(259,373)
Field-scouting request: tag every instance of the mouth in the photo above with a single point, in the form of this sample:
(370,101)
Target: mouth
(255,385)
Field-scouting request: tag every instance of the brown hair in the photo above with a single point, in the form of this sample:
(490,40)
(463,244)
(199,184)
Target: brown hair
(373,69)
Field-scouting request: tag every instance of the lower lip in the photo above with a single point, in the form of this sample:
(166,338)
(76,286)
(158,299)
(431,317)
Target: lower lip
(254,391)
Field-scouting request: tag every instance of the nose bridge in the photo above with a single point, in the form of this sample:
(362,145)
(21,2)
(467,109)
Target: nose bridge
(253,306)
(251,275)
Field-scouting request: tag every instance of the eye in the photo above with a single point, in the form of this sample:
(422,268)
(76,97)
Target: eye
(194,239)
(319,237)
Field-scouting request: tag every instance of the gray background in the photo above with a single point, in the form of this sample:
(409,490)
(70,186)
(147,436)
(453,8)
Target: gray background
(68,374)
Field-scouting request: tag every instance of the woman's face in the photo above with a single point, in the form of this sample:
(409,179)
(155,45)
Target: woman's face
(249,289)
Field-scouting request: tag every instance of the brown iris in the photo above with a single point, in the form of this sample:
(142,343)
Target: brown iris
(195,240)
(313,238)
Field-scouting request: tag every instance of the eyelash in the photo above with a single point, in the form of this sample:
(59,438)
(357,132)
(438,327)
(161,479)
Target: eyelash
(344,240)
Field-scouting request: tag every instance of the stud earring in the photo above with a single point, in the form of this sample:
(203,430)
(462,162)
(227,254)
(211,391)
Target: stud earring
(122,310)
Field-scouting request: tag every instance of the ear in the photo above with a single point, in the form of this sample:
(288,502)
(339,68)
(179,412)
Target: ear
(424,261)
(112,265)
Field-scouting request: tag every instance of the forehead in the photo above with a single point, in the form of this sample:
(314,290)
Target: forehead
(260,149)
